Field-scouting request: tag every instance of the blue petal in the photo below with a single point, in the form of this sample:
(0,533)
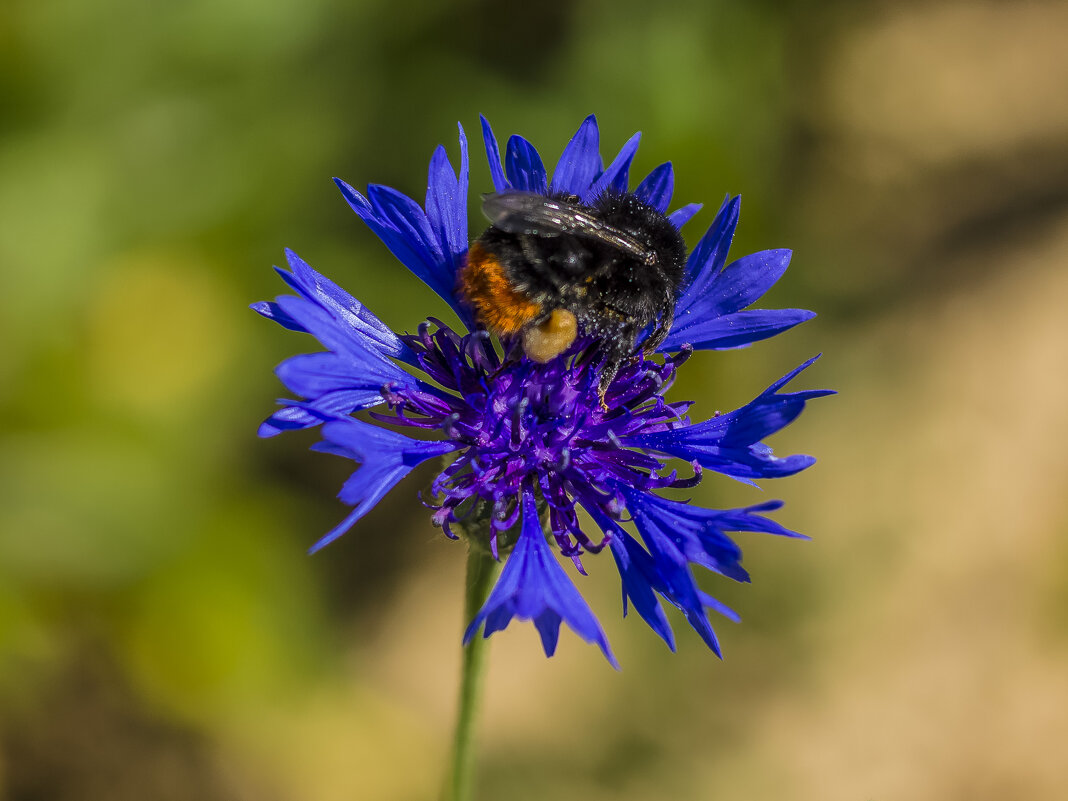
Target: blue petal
(493,156)
(312,375)
(330,405)
(386,457)
(408,219)
(708,316)
(534,587)
(272,311)
(617,176)
(342,337)
(732,331)
(767,413)
(431,244)
(719,607)
(581,160)
(670,567)
(525,170)
(681,216)
(657,188)
(746,280)
(290,418)
(710,255)
(730,443)
(637,572)
(359,363)
(701,533)
(322,305)
(747,519)
(697,533)
(408,245)
(446,202)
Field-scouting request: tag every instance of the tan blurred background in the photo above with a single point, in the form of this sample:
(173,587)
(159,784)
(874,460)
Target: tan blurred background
(163,634)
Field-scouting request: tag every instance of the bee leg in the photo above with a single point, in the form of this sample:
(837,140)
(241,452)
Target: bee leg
(618,348)
(608,374)
(656,338)
(664,321)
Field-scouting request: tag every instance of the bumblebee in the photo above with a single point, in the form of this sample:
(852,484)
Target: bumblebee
(550,267)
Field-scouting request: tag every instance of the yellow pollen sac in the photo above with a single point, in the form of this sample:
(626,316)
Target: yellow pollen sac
(547,340)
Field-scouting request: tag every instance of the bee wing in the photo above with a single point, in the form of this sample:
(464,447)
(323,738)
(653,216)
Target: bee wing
(526,213)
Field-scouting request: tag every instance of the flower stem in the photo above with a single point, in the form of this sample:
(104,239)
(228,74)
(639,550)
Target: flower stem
(481,568)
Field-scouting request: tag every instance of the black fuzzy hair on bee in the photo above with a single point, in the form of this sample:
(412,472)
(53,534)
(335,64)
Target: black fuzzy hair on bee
(550,267)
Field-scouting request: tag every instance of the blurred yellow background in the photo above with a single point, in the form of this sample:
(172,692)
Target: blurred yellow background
(163,634)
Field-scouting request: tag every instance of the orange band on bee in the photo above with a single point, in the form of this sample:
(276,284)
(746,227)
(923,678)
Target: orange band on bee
(497,305)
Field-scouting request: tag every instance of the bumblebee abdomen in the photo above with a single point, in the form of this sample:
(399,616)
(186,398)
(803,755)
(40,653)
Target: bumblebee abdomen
(485,285)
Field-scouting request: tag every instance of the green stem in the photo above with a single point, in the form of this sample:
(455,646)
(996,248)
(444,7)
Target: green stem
(481,568)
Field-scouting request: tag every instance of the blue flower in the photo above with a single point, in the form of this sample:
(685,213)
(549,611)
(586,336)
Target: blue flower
(529,441)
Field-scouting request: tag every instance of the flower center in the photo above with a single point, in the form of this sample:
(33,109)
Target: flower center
(528,424)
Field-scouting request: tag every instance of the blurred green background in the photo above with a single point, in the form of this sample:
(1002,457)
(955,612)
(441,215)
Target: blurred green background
(163,634)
